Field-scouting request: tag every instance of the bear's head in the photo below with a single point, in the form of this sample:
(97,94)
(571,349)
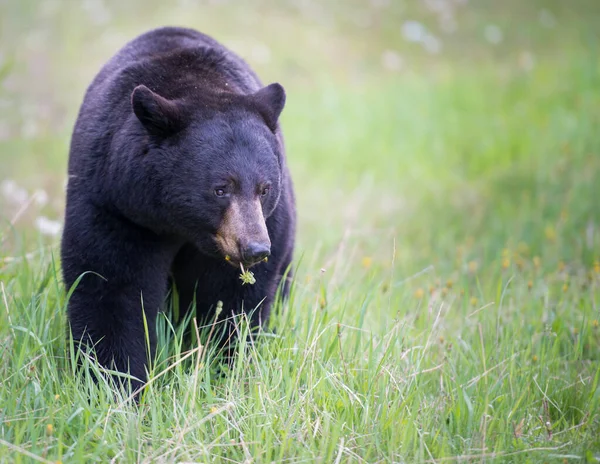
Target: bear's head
(213,168)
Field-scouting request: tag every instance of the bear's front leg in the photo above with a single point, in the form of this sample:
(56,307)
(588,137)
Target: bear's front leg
(111,321)
(113,307)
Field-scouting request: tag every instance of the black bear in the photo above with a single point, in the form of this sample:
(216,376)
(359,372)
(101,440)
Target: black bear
(177,173)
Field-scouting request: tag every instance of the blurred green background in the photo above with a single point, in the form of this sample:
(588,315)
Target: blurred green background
(446,157)
(414,119)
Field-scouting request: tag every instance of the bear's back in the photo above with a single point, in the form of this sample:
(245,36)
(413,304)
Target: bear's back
(166,44)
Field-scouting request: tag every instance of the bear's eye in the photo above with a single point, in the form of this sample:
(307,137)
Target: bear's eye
(265,191)
(220,192)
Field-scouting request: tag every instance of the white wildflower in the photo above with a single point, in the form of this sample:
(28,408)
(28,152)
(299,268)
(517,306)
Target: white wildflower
(12,192)
(40,197)
(493,34)
(48,226)
(413,31)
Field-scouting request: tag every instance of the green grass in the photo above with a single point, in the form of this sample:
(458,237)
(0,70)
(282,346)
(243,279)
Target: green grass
(446,306)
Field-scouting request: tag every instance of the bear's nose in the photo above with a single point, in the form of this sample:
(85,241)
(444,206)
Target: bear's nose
(255,252)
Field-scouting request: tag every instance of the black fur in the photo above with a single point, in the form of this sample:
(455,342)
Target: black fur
(167,119)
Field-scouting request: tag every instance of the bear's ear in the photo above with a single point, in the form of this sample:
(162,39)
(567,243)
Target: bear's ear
(158,115)
(270,101)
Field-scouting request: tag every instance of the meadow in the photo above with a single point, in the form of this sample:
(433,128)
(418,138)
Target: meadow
(446,158)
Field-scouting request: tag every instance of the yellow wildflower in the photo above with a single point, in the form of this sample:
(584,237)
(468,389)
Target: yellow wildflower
(472,266)
(550,233)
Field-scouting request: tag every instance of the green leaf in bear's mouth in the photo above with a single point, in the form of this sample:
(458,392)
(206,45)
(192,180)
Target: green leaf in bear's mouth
(246,276)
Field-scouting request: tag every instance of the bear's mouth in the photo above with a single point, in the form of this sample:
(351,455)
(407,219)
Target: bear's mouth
(233,256)
(237,263)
